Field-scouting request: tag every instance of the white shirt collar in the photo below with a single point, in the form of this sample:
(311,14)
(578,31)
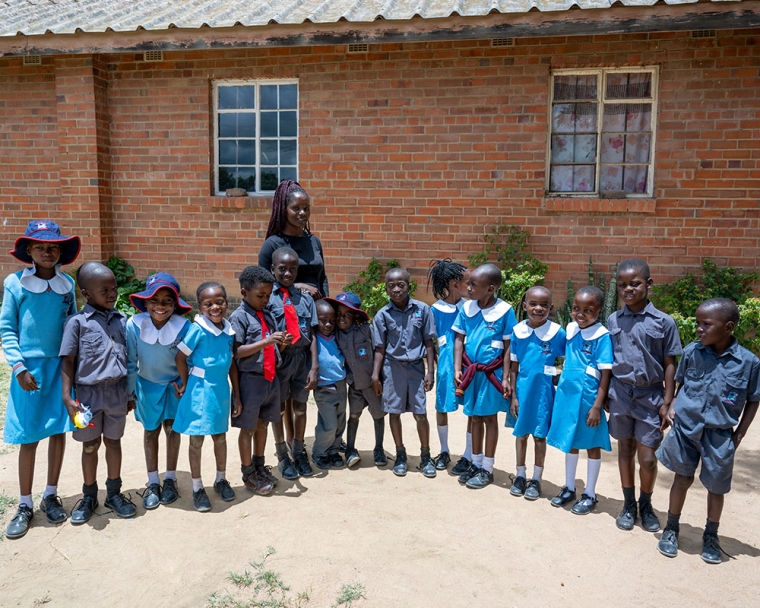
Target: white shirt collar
(31,282)
(496,312)
(446,307)
(544,333)
(589,333)
(164,336)
(210,327)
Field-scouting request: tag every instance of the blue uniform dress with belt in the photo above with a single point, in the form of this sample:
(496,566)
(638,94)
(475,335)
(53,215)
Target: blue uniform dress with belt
(485,332)
(444,315)
(587,352)
(151,367)
(31,325)
(205,406)
(536,350)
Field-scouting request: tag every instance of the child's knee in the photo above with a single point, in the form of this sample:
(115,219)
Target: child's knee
(112,444)
(90,447)
(420,417)
(196,441)
(647,459)
(354,417)
(152,435)
(220,438)
(299,408)
(168,426)
(539,441)
(682,481)
(627,448)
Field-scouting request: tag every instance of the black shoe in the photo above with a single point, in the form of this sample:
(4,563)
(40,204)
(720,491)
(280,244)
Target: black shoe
(584,505)
(336,460)
(518,486)
(302,465)
(533,489)
(627,517)
(224,489)
(649,520)
(53,509)
(480,480)
(169,492)
(399,467)
(343,446)
(442,461)
(668,544)
(19,525)
(151,498)
(258,482)
(121,505)
(288,469)
(463,465)
(352,458)
(564,497)
(711,549)
(321,462)
(201,501)
(470,472)
(83,510)
(265,472)
(379,456)
(427,466)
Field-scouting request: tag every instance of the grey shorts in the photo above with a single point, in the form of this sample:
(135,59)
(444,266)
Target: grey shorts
(293,374)
(404,386)
(635,412)
(359,398)
(681,454)
(108,403)
(261,399)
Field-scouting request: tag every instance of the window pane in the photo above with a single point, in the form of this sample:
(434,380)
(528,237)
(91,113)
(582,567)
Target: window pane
(288,152)
(227,178)
(231,97)
(227,98)
(269,154)
(562,148)
(246,124)
(246,152)
(585,117)
(614,117)
(268,122)
(288,96)
(637,148)
(269,179)
(561,179)
(585,149)
(633,85)
(269,97)
(574,118)
(575,87)
(612,148)
(246,97)
(227,125)
(288,124)
(638,117)
(227,152)
(635,179)
(288,173)
(583,178)
(247,178)
(611,178)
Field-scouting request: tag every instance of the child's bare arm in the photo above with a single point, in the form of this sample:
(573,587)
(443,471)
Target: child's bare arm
(430,375)
(68,370)
(458,351)
(377,386)
(247,350)
(506,385)
(594,416)
(313,377)
(181,361)
(514,407)
(670,386)
(748,415)
(237,405)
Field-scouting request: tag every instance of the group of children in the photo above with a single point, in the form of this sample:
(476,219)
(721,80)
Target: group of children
(280,344)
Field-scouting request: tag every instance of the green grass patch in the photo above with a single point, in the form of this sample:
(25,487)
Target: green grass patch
(349,593)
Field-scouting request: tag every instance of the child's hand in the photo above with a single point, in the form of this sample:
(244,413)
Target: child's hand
(130,405)
(72,407)
(429,382)
(177,392)
(506,388)
(312,379)
(594,416)
(607,405)
(667,416)
(514,407)
(237,407)
(27,381)
(276,337)
(737,437)
(286,339)
(377,387)
(458,377)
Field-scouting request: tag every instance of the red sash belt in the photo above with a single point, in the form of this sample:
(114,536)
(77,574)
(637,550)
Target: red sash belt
(472,368)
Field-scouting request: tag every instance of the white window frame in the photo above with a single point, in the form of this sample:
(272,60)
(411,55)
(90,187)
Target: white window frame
(257,138)
(601,100)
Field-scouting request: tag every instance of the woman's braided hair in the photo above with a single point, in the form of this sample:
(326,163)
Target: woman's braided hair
(282,195)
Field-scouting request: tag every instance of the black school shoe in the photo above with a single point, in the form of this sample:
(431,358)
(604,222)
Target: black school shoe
(336,460)
(468,474)
(627,517)
(480,480)
(83,510)
(151,497)
(711,549)
(668,544)
(121,505)
(321,462)
(442,461)
(201,501)
(518,486)
(224,489)
(19,525)
(400,467)
(649,520)
(533,489)
(584,505)
(53,509)
(288,469)
(169,492)
(564,497)
(463,465)
(352,458)
(302,465)
(379,456)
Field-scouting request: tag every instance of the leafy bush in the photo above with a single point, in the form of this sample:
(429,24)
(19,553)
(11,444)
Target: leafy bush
(609,291)
(370,286)
(126,283)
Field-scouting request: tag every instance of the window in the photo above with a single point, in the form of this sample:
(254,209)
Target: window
(602,132)
(256,134)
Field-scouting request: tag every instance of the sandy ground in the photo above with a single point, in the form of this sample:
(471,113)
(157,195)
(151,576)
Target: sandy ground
(410,541)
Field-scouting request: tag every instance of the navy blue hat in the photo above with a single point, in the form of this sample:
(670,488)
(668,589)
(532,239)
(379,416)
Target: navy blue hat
(45,231)
(350,300)
(155,282)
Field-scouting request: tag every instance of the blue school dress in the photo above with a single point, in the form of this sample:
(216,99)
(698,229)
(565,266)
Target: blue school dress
(205,407)
(31,325)
(485,332)
(536,351)
(151,367)
(587,352)
(444,315)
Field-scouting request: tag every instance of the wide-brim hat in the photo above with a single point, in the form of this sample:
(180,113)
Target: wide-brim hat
(45,231)
(350,300)
(153,283)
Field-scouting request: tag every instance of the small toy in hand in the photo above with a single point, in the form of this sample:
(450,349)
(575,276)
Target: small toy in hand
(83,418)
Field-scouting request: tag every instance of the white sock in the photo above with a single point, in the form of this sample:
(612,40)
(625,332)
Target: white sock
(594,465)
(220,475)
(488,464)
(197,484)
(571,464)
(153,478)
(443,435)
(170,475)
(521,471)
(537,472)
(477,460)
(26,500)
(468,447)
(50,491)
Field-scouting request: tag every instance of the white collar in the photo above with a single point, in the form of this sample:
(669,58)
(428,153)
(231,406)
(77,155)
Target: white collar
(31,282)
(209,326)
(446,307)
(492,314)
(597,330)
(544,333)
(164,336)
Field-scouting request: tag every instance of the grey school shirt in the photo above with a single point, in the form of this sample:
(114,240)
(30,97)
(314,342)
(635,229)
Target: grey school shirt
(305,309)
(714,389)
(356,346)
(641,341)
(247,328)
(403,332)
(98,339)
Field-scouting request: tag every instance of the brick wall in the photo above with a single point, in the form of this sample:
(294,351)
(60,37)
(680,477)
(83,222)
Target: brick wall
(409,151)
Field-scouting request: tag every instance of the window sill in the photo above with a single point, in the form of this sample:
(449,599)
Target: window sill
(232,203)
(643,206)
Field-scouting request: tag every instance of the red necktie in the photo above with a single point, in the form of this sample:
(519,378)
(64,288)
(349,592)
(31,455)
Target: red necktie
(291,316)
(269,363)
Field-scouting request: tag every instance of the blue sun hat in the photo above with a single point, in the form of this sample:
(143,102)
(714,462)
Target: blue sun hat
(152,284)
(45,231)
(350,300)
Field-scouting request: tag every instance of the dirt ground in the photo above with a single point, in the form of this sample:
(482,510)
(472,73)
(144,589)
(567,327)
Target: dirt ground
(410,541)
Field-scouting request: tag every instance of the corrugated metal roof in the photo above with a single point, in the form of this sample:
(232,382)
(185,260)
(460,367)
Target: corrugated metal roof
(36,17)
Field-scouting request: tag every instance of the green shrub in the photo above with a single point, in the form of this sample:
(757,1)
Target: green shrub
(563,313)
(126,283)
(370,286)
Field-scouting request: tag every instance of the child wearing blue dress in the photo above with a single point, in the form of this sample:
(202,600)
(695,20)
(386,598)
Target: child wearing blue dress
(204,361)
(448,286)
(36,302)
(152,377)
(578,422)
(536,344)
